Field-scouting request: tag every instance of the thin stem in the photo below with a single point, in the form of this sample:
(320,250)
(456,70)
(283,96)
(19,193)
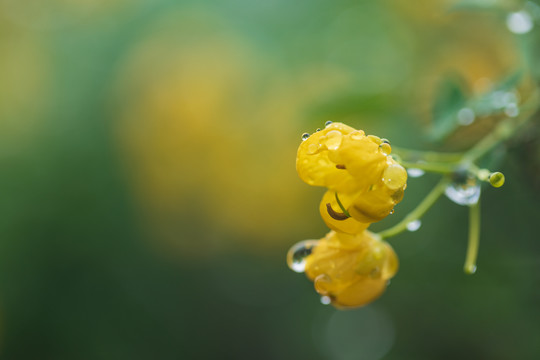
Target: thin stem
(342,207)
(502,132)
(431,167)
(428,156)
(474,238)
(419,211)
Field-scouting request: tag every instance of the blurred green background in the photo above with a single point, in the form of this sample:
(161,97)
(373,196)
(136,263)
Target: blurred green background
(149,193)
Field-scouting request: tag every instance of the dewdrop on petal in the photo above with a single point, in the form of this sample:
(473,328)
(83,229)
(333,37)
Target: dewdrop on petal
(395,176)
(385,148)
(333,140)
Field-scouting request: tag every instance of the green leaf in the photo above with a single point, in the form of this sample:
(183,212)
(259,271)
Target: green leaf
(449,100)
(484,105)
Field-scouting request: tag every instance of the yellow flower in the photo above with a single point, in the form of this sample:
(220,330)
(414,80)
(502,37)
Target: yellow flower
(350,265)
(352,270)
(359,168)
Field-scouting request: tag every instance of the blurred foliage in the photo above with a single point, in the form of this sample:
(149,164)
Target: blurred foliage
(149,192)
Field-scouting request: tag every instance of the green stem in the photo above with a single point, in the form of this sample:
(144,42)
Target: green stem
(502,132)
(419,211)
(342,207)
(474,238)
(431,167)
(427,156)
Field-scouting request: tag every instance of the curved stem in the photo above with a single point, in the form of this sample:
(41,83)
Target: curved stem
(474,238)
(342,207)
(428,156)
(419,211)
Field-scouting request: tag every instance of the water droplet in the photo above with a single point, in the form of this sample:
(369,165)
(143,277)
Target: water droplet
(318,129)
(392,211)
(385,148)
(326,300)
(471,269)
(333,139)
(296,257)
(463,194)
(377,140)
(328,123)
(321,283)
(496,179)
(305,136)
(395,176)
(497,99)
(466,116)
(398,195)
(414,225)
(312,149)
(510,97)
(414,172)
(511,110)
(358,134)
(519,22)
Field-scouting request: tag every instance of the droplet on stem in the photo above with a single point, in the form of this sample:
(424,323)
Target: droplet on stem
(471,269)
(496,179)
(463,194)
(414,225)
(414,172)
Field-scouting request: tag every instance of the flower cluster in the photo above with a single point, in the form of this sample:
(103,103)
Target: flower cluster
(350,265)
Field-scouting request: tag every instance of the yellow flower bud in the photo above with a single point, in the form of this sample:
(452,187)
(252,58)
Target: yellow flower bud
(352,270)
(357,167)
